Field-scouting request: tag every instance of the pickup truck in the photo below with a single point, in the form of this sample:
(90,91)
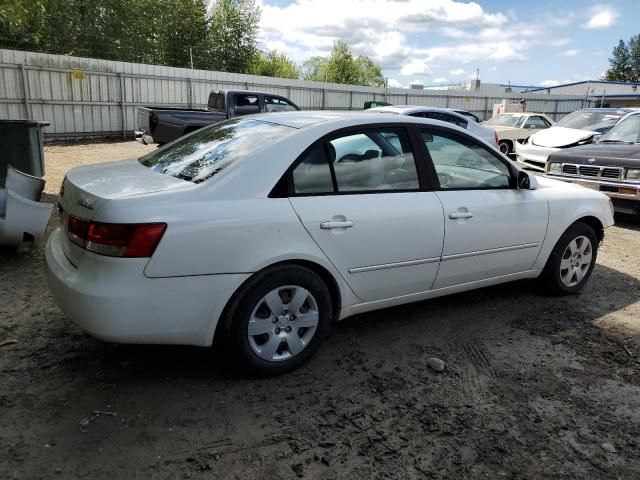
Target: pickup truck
(163,125)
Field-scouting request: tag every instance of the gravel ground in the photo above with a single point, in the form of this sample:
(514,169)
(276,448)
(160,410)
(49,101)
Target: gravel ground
(534,387)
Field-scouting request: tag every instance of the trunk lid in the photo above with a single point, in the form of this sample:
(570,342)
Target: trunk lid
(86,189)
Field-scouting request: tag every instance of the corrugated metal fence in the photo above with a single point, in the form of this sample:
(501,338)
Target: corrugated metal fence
(90,97)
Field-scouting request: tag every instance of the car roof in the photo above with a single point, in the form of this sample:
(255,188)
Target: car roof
(609,110)
(522,113)
(401,109)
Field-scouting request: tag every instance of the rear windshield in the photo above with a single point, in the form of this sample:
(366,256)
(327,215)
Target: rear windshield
(592,121)
(204,153)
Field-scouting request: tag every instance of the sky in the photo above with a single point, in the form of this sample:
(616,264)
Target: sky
(443,41)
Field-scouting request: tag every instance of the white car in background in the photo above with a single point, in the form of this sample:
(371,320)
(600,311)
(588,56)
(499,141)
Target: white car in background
(444,115)
(259,231)
(516,127)
(577,128)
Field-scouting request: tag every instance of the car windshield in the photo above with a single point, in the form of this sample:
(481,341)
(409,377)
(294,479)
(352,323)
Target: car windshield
(627,131)
(206,152)
(504,120)
(590,120)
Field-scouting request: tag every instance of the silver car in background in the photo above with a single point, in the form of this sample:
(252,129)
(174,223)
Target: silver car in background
(448,115)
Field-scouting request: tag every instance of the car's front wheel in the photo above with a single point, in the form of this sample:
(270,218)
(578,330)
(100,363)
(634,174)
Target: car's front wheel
(279,319)
(572,260)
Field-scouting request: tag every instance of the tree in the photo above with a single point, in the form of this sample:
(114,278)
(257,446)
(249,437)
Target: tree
(634,58)
(274,64)
(369,72)
(233,35)
(342,67)
(624,64)
(619,64)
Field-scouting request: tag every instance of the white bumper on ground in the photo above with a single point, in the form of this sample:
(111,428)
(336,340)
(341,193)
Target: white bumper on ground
(533,156)
(112,299)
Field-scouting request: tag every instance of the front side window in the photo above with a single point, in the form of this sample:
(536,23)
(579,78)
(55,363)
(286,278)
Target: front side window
(277,104)
(461,164)
(201,155)
(371,160)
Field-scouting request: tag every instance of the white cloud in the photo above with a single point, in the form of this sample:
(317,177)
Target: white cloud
(440,80)
(457,72)
(569,53)
(376,28)
(558,42)
(415,66)
(601,16)
(549,83)
(393,83)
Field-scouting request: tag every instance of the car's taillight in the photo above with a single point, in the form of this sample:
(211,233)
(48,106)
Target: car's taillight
(153,122)
(495,137)
(131,240)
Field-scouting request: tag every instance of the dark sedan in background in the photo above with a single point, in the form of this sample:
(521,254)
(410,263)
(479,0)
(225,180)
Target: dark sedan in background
(612,165)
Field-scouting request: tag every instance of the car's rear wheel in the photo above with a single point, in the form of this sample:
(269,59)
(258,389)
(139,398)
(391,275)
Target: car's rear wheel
(572,260)
(505,147)
(279,319)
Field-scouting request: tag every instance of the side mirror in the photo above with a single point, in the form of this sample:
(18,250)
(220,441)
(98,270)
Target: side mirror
(596,138)
(526,181)
(532,126)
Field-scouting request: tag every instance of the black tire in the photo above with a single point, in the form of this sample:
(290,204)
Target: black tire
(551,279)
(505,147)
(250,297)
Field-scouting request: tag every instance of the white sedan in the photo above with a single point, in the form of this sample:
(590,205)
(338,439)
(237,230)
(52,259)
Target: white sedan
(261,230)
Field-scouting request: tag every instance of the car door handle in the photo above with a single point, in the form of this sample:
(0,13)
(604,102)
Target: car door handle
(455,215)
(329,225)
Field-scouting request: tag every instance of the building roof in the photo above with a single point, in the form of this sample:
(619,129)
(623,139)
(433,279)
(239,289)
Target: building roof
(593,88)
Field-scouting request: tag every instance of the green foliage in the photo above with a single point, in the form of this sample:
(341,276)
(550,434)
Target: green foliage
(624,64)
(162,32)
(274,64)
(341,67)
(233,43)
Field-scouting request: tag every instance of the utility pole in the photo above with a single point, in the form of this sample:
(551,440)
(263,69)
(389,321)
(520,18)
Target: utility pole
(191,57)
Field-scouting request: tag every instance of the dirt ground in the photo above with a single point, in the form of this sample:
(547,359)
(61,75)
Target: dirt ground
(534,387)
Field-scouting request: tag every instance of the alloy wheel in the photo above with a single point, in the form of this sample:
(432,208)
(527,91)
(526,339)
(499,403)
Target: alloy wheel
(576,261)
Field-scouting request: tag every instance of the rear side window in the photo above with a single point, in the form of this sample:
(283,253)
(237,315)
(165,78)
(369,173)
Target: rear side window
(536,122)
(366,161)
(313,174)
(246,104)
(206,152)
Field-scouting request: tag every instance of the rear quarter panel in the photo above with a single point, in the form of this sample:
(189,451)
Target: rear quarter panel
(210,237)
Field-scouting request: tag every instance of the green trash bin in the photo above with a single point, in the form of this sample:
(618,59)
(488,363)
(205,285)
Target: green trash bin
(21,147)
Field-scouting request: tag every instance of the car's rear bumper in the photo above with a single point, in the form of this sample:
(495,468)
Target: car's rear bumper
(625,196)
(111,299)
(533,156)
(144,138)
